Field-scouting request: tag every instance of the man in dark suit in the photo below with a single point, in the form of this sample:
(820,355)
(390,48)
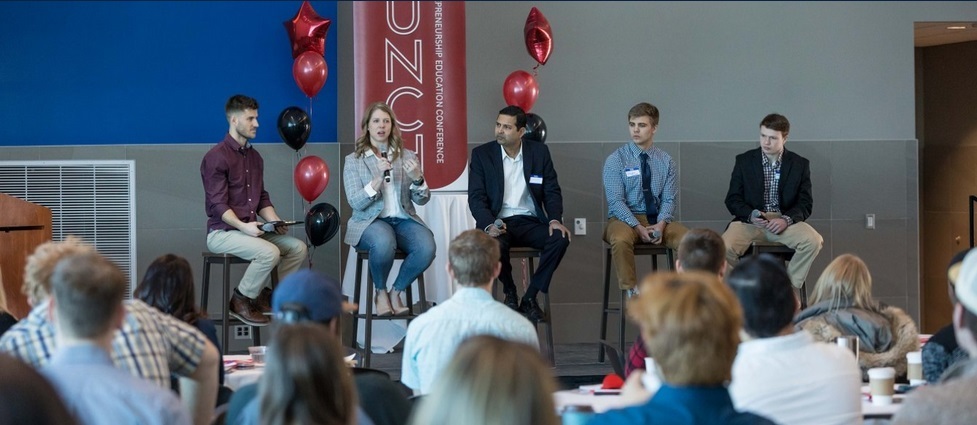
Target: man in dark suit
(512,182)
(770,197)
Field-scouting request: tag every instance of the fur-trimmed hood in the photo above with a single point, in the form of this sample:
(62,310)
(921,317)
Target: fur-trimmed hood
(826,325)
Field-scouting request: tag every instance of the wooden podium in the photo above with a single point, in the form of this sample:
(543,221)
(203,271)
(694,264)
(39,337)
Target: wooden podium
(23,226)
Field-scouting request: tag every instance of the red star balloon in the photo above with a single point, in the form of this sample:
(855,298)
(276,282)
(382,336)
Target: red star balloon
(307,30)
(539,36)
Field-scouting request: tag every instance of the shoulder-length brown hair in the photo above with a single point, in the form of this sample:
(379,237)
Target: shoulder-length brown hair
(168,286)
(306,380)
(395,141)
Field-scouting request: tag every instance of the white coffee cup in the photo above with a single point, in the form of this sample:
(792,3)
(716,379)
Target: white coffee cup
(651,379)
(882,381)
(914,368)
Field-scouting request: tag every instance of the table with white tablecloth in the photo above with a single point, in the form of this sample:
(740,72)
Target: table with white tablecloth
(447,215)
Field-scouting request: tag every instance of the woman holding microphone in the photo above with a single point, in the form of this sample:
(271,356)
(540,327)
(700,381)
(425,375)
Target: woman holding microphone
(383,181)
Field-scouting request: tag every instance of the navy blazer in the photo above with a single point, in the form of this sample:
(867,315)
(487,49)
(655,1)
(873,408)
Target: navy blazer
(486,182)
(746,186)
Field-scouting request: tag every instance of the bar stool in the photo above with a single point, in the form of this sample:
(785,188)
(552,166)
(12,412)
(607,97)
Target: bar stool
(779,251)
(362,256)
(531,254)
(225,320)
(639,249)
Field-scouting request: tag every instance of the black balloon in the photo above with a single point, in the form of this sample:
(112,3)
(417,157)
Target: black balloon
(321,223)
(294,126)
(535,128)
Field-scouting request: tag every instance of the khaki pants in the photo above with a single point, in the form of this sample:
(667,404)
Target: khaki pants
(801,237)
(622,238)
(265,252)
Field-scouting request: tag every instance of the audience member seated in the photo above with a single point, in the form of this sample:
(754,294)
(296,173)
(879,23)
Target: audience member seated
(842,304)
(168,286)
(26,397)
(6,319)
(699,249)
(432,338)
(942,351)
(306,380)
(86,308)
(491,381)
(150,344)
(312,299)
(952,402)
(691,323)
(780,372)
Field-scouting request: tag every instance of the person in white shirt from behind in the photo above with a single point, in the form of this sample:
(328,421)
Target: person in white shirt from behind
(780,372)
(433,337)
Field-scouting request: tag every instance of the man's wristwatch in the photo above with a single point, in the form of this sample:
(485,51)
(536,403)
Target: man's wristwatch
(419,181)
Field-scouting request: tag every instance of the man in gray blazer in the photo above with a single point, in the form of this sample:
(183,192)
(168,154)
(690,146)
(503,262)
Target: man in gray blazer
(515,196)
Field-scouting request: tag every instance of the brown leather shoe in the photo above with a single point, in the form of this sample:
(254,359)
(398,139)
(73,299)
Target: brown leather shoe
(246,310)
(264,301)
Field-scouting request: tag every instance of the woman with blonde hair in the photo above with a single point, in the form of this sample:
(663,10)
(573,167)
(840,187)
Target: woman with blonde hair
(383,181)
(491,381)
(306,380)
(842,305)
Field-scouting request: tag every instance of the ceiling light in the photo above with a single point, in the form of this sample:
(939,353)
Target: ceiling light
(956,27)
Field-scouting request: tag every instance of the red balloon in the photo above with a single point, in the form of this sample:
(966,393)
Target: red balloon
(539,36)
(311,177)
(520,89)
(310,72)
(307,31)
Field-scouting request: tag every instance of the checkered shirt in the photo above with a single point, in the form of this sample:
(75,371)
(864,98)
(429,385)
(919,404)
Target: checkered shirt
(623,192)
(150,345)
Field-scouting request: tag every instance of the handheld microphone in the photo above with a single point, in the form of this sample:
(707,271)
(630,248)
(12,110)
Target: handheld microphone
(386,173)
(499,223)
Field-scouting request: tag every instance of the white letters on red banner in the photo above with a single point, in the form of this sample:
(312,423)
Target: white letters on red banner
(411,55)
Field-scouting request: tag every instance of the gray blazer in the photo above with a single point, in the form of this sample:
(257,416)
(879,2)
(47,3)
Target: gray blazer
(357,173)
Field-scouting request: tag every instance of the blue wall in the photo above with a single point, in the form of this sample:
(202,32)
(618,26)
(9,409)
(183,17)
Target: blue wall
(87,72)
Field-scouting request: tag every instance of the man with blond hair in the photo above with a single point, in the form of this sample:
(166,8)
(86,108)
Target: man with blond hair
(473,262)
(150,345)
(691,323)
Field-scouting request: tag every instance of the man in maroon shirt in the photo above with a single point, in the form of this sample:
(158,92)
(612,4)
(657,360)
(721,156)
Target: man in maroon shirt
(232,173)
(700,249)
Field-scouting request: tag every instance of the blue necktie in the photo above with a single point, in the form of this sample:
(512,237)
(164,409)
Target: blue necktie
(651,209)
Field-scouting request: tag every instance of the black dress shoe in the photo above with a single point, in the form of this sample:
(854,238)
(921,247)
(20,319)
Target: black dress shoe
(530,309)
(511,300)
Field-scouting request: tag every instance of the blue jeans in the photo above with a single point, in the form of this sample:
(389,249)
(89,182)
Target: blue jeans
(385,234)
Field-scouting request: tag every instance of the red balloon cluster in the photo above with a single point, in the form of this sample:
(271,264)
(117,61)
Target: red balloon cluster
(307,32)
(520,87)
(311,177)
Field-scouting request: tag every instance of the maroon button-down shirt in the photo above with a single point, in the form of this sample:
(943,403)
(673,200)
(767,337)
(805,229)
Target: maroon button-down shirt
(233,180)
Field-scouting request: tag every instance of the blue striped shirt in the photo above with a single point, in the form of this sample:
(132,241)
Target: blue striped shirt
(622,183)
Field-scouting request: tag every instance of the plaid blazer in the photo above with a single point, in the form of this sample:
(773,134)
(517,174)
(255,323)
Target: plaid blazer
(358,172)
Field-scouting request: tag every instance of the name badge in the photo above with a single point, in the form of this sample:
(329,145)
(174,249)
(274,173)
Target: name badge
(632,172)
(534,179)
(776,175)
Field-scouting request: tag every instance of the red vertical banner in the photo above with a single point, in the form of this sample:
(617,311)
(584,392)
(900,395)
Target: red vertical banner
(411,55)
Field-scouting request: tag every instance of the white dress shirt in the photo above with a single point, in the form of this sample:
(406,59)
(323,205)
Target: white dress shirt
(794,380)
(433,337)
(516,199)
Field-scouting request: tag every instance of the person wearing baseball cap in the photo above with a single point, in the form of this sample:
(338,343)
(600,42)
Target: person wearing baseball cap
(305,297)
(952,401)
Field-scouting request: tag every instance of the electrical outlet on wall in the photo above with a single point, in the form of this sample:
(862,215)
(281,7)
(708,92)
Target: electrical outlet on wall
(580,226)
(242,332)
